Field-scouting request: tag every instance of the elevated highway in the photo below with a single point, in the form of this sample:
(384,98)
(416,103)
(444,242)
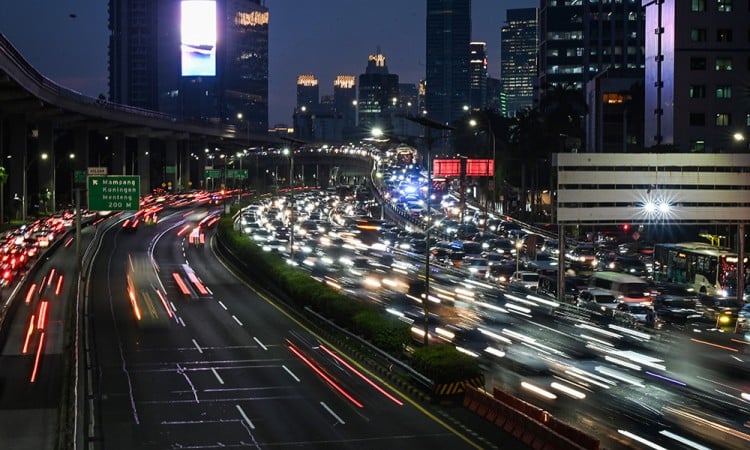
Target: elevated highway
(50,135)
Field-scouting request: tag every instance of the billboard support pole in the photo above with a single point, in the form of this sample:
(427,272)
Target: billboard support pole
(740,262)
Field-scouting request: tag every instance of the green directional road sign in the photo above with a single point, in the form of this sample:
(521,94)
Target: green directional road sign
(79,176)
(240,174)
(170,170)
(213,173)
(114,192)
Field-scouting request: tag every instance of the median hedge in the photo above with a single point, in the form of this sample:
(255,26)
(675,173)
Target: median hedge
(440,363)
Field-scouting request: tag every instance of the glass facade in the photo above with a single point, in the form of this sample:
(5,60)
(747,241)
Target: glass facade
(518,59)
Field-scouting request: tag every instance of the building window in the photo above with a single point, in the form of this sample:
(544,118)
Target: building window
(723,120)
(723,63)
(698,35)
(724,5)
(697,91)
(747,120)
(723,91)
(697,63)
(697,120)
(698,5)
(724,35)
(697,146)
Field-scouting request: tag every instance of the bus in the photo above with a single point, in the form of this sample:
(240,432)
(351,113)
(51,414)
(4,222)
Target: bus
(702,267)
(147,300)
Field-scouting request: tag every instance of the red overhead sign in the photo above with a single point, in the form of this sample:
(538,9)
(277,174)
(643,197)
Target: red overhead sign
(446,168)
(452,168)
(480,168)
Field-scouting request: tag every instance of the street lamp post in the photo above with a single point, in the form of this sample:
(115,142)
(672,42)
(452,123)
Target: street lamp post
(429,125)
(491,132)
(519,246)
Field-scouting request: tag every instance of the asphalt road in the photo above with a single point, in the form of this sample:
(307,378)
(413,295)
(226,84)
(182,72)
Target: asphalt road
(232,369)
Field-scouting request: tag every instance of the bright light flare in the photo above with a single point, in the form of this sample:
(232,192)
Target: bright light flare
(565,389)
(30,293)
(42,317)
(181,283)
(29,332)
(538,391)
(38,356)
(641,440)
(58,288)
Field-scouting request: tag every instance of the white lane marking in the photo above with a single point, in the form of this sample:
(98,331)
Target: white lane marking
(223,305)
(236,319)
(260,343)
(181,321)
(174,308)
(197,346)
(216,374)
(291,374)
(209,290)
(244,417)
(335,416)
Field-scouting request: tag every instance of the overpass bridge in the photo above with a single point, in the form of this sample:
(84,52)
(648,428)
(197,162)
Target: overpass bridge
(50,135)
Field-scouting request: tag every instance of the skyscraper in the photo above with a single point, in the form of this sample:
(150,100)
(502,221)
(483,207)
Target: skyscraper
(579,40)
(378,93)
(447,58)
(308,92)
(345,100)
(518,58)
(478,75)
(696,76)
(132,53)
(156,62)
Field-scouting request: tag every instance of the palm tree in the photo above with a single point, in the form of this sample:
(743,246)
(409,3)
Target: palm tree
(562,108)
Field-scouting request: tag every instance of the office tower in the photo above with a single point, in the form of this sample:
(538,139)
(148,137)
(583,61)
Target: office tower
(579,40)
(205,60)
(478,75)
(345,100)
(132,53)
(496,100)
(378,94)
(696,76)
(447,59)
(519,40)
(308,93)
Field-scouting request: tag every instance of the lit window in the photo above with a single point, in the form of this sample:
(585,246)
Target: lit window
(723,91)
(723,120)
(724,5)
(697,146)
(698,5)
(723,63)
(698,35)
(697,91)
(724,35)
(747,120)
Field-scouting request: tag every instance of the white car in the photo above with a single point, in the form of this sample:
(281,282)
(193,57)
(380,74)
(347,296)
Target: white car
(526,279)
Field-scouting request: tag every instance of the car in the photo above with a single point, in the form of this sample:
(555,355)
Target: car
(743,318)
(602,298)
(477,267)
(525,279)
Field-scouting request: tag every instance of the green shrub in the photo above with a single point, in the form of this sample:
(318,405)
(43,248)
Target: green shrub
(445,364)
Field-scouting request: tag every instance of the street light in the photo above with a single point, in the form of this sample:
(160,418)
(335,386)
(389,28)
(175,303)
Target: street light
(55,165)
(491,188)
(519,246)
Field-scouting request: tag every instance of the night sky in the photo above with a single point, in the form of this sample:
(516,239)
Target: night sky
(66,40)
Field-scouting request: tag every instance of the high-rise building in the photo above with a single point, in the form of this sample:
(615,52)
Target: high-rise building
(447,58)
(697,67)
(132,53)
(345,100)
(581,39)
(478,75)
(378,94)
(308,92)
(519,48)
(496,97)
(158,61)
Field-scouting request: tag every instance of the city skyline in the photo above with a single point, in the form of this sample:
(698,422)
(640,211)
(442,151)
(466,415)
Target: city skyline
(333,44)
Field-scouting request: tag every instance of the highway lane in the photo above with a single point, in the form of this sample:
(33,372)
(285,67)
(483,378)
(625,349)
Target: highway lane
(232,370)
(31,362)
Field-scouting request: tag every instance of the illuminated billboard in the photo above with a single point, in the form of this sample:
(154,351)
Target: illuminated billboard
(198,41)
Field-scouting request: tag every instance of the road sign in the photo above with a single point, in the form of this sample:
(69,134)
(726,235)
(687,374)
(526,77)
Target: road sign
(79,176)
(170,170)
(114,192)
(237,173)
(213,173)
(91,171)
